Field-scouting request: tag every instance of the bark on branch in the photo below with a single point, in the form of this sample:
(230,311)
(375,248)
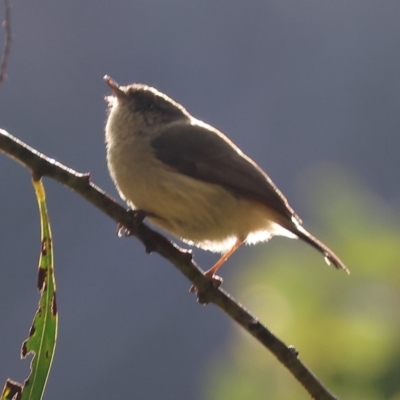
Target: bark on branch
(40,165)
(7,44)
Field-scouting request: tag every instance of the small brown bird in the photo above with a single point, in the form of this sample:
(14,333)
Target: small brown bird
(191,180)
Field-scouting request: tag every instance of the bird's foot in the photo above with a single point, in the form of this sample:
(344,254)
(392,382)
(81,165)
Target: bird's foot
(137,217)
(202,296)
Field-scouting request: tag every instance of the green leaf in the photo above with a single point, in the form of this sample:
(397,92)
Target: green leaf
(43,333)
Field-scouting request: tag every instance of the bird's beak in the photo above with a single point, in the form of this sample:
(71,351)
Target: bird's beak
(117,92)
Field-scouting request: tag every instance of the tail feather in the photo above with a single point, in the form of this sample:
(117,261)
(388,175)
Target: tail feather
(330,256)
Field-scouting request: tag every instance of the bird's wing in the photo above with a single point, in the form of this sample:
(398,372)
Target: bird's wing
(204,153)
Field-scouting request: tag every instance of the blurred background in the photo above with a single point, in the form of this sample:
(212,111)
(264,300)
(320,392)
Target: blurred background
(311,91)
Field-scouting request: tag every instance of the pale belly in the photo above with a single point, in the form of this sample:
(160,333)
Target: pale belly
(197,212)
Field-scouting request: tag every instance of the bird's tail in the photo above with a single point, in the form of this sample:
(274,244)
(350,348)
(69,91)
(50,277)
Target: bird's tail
(330,256)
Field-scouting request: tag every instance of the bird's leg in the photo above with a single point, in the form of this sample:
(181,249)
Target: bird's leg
(213,270)
(210,274)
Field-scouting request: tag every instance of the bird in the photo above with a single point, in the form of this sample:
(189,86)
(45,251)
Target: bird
(191,180)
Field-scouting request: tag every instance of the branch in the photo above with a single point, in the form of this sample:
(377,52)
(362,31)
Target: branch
(40,165)
(7,46)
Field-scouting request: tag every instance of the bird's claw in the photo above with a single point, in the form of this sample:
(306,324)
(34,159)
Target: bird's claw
(202,297)
(137,217)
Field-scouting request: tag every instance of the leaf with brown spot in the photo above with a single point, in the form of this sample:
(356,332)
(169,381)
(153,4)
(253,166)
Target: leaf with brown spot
(43,332)
(11,391)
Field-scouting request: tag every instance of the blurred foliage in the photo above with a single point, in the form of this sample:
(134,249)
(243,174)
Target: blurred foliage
(346,328)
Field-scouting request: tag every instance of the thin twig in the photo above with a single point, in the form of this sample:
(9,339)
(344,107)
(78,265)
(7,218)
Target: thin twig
(41,165)
(7,46)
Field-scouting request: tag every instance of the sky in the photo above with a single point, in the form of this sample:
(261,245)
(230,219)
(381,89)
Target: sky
(296,85)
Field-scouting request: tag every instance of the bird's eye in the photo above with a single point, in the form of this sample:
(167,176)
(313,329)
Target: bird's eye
(148,104)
